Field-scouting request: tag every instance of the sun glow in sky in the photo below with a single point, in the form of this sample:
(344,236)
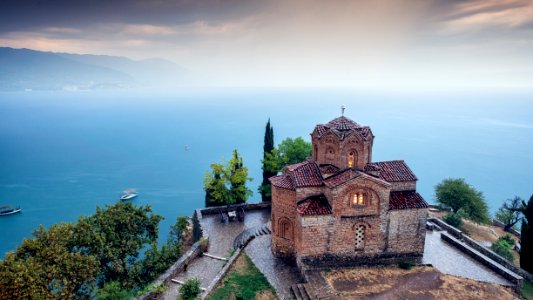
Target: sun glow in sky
(366,43)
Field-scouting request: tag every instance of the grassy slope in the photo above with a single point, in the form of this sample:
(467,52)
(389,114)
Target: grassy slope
(245,281)
(527,290)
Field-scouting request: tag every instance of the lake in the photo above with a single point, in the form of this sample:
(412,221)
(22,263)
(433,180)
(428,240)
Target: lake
(64,153)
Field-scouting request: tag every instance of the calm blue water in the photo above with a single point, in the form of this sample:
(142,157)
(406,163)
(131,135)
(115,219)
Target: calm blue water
(61,154)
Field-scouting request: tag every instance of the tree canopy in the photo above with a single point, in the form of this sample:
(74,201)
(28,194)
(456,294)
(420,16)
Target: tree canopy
(226,184)
(526,241)
(458,194)
(510,213)
(288,152)
(68,261)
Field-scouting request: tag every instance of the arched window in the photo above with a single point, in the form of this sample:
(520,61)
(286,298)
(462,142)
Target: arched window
(285,229)
(359,199)
(351,158)
(360,237)
(330,155)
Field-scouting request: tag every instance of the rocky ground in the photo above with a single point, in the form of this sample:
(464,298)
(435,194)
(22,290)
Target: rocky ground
(417,283)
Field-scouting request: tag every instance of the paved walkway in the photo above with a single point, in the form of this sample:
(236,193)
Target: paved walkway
(280,275)
(221,238)
(450,260)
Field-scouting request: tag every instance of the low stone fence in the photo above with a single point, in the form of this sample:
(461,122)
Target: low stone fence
(485,260)
(224,208)
(195,250)
(481,253)
(450,229)
(221,274)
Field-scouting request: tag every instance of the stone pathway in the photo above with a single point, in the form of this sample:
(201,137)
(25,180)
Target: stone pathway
(221,238)
(280,275)
(450,260)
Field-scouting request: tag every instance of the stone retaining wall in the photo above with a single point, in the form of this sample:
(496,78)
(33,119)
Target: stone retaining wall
(480,248)
(486,261)
(332,261)
(221,274)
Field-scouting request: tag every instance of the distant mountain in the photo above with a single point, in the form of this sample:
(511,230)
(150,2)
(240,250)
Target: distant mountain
(24,69)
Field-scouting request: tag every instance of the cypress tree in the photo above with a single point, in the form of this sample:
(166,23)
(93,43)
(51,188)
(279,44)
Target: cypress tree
(526,242)
(268,146)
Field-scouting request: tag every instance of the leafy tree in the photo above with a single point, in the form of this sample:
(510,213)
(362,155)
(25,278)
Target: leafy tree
(115,235)
(510,212)
(289,151)
(178,229)
(526,241)
(48,266)
(190,289)
(268,146)
(113,291)
(227,184)
(238,175)
(457,194)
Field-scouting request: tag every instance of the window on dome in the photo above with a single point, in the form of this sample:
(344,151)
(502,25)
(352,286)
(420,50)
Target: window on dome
(351,158)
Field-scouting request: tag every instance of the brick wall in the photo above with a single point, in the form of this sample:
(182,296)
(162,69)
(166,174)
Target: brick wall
(403,186)
(407,230)
(283,208)
(339,158)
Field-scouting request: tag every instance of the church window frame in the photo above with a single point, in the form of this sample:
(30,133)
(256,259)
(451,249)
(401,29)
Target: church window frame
(351,158)
(359,199)
(360,236)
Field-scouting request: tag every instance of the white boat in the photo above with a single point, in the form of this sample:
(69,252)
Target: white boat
(9,210)
(129,194)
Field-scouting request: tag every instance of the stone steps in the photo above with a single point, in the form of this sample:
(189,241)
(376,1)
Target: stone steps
(247,235)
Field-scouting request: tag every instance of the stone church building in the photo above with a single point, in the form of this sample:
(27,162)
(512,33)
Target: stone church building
(338,208)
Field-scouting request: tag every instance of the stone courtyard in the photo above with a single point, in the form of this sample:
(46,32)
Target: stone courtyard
(282,276)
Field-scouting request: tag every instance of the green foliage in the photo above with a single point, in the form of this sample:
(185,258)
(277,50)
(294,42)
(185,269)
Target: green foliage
(49,265)
(289,152)
(190,289)
(115,235)
(178,229)
(113,291)
(526,243)
(243,284)
(457,194)
(527,290)
(268,146)
(510,212)
(406,265)
(455,219)
(227,184)
(503,247)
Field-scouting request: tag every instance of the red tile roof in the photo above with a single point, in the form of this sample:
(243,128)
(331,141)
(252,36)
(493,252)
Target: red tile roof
(314,205)
(342,127)
(393,171)
(305,174)
(341,178)
(328,169)
(406,200)
(342,124)
(282,181)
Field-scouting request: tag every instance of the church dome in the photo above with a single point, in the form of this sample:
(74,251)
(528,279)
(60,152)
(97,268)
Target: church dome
(342,124)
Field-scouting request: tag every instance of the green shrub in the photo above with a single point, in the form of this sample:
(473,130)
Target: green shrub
(406,265)
(190,289)
(454,219)
(503,249)
(508,239)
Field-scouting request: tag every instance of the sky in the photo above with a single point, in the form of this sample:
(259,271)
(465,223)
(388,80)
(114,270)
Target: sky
(366,43)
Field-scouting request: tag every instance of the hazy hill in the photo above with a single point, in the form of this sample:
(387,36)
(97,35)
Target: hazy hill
(22,69)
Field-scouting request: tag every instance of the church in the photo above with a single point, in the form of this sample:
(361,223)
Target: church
(339,208)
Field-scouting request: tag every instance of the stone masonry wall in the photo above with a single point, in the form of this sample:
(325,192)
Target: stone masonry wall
(315,234)
(407,230)
(403,186)
(339,157)
(283,209)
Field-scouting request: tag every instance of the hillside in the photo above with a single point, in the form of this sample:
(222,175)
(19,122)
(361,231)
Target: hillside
(24,69)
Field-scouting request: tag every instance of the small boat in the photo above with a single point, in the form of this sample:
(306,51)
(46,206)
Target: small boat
(129,194)
(9,210)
